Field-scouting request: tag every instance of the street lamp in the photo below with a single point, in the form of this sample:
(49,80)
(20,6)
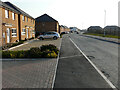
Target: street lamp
(104,21)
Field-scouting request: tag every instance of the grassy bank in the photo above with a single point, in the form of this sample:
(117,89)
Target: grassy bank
(102,35)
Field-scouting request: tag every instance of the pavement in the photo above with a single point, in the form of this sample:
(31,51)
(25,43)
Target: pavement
(30,73)
(74,71)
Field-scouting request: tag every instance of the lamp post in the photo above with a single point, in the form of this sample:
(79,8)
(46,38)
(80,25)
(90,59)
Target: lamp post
(104,21)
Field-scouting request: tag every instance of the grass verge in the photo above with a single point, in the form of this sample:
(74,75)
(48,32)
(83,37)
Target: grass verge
(102,35)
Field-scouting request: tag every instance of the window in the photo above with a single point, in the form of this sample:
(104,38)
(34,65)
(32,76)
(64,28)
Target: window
(33,21)
(23,31)
(23,18)
(33,31)
(6,14)
(13,16)
(14,32)
(26,19)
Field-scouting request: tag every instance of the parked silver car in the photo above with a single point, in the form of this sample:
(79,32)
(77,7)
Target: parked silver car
(49,35)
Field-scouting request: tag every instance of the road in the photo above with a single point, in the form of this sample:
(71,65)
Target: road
(103,54)
(74,71)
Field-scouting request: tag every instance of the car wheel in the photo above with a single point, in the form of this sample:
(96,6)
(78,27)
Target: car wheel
(41,38)
(55,38)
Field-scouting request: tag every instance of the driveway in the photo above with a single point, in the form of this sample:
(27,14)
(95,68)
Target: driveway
(38,43)
(31,73)
(28,74)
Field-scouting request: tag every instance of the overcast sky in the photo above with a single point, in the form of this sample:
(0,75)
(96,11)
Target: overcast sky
(79,13)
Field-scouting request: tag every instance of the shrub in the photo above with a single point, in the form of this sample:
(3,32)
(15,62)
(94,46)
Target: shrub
(21,42)
(49,47)
(14,44)
(46,51)
(35,52)
(52,55)
(6,54)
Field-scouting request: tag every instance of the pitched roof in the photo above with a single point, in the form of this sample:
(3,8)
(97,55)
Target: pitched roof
(18,9)
(4,5)
(45,18)
(95,27)
(0,3)
(112,27)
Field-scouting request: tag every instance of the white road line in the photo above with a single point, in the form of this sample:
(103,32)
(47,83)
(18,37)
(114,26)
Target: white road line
(56,67)
(104,77)
(69,56)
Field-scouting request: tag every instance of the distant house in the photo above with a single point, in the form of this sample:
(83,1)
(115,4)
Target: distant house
(112,30)
(94,29)
(63,29)
(46,23)
(73,29)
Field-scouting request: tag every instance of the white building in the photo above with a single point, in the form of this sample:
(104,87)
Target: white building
(73,29)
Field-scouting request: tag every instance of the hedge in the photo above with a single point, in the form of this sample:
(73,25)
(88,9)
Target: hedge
(12,44)
(45,51)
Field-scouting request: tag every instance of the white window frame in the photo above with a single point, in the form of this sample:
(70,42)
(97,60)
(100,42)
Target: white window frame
(14,34)
(13,16)
(33,21)
(33,31)
(23,18)
(23,31)
(26,19)
(6,13)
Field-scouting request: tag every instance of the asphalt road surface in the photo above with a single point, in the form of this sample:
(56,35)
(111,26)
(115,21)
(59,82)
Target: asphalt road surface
(74,71)
(103,54)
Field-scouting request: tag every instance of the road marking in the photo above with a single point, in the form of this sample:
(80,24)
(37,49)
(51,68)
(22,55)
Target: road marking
(56,67)
(104,77)
(69,56)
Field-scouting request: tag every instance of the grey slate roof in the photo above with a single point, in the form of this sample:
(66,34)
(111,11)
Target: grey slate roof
(112,27)
(95,27)
(45,18)
(2,4)
(18,9)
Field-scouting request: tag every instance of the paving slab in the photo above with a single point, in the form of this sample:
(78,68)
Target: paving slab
(28,74)
(38,43)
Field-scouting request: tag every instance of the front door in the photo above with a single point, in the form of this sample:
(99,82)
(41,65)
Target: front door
(27,33)
(8,35)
